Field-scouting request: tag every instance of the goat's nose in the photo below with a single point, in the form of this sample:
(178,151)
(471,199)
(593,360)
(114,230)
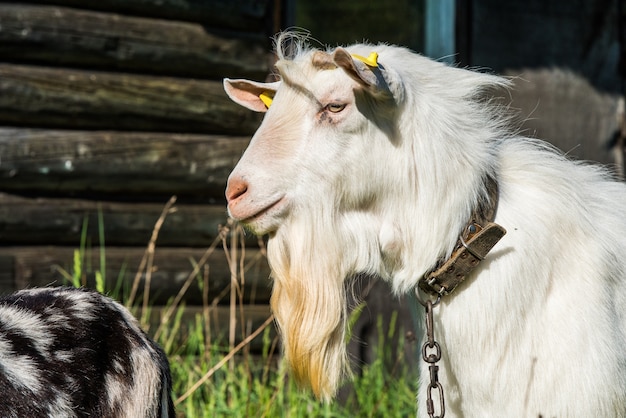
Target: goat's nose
(236,188)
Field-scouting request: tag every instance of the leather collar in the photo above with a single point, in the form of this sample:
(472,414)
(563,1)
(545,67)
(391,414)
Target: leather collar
(475,241)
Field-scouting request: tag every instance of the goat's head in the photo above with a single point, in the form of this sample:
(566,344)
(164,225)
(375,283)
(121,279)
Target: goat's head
(323,104)
(328,174)
(310,162)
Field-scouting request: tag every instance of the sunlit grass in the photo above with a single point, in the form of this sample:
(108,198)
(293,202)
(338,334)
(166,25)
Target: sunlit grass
(216,375)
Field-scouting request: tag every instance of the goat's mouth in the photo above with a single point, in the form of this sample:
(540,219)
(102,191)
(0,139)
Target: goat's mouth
(261,220)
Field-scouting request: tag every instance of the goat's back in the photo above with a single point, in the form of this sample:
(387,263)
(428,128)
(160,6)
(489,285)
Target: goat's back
(68,352)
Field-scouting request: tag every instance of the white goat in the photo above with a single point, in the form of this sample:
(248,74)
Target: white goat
(377,165)
(68,352)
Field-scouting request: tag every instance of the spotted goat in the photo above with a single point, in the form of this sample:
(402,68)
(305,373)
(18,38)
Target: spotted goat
(372,159)
(68,352)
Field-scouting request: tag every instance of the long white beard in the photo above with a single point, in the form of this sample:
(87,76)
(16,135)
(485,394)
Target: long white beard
(309,302)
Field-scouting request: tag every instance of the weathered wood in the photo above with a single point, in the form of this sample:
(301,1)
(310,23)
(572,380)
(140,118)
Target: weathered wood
(128,165)
(250,15)
(54,97)
(43,221)
(51,35)
(39,266)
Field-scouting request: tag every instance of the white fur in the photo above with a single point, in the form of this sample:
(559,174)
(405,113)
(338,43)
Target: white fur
(386,185)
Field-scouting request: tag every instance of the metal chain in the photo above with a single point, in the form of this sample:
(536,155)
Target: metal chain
(431,354)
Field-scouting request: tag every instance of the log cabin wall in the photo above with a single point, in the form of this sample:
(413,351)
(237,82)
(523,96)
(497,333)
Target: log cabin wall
(109,108)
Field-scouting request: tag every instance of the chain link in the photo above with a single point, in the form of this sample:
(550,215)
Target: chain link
(431,354)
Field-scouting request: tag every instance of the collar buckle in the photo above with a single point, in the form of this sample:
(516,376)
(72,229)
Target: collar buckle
(474,243)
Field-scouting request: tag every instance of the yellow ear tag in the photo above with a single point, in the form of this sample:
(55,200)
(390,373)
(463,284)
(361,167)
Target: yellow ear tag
(371,60)
(267,97)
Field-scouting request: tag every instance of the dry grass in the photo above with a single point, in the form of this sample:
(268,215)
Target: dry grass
(220,376)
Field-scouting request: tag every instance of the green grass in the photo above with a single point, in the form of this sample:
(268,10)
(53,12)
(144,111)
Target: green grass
(214,377)
(260,386)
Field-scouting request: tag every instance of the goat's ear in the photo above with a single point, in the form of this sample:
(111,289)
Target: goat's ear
(370,74)
(251,94)
(355,68)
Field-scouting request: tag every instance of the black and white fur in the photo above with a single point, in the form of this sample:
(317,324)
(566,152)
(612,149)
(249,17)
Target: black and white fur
(68,352)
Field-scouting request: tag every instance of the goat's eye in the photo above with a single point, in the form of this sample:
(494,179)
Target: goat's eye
(335,107)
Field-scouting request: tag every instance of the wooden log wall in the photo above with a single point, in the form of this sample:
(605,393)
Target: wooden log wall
(109,108)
